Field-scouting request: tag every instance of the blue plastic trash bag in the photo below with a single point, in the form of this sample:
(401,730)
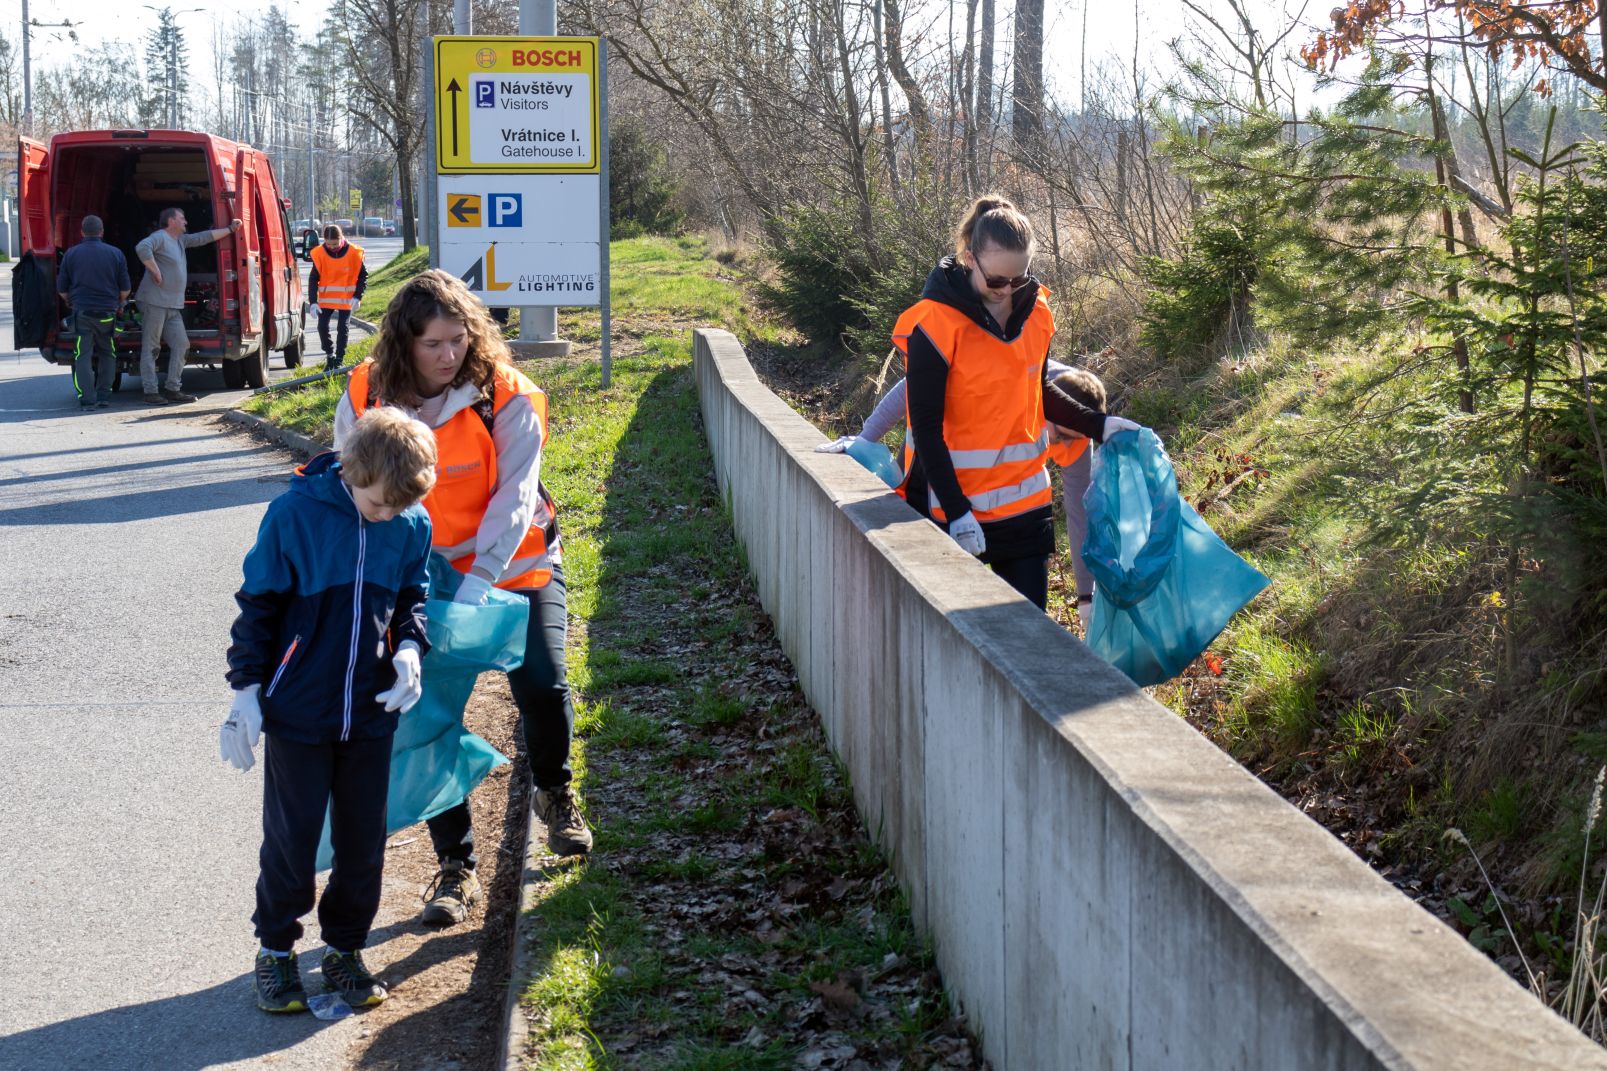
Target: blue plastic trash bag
(435,761)
(878,459)
(1167,585)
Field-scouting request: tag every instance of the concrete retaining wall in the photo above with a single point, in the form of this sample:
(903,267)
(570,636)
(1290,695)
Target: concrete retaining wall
(1105,889)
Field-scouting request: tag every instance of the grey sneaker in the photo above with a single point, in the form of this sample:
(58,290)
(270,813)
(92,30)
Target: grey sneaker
(279,984)
(559,811)
(176,395)
(154,399)
(345,974)
(449,897)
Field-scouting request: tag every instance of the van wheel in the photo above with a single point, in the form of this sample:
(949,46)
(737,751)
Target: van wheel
(293,352)
(234,376)
(255,366)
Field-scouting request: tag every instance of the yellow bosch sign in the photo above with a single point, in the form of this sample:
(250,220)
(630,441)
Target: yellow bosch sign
(516,105)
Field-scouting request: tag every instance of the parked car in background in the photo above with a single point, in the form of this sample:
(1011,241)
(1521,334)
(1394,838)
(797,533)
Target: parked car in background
(390,228)
(373,227)
(346,226)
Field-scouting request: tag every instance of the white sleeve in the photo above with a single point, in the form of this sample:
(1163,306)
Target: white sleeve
(345,417)
(1075,479)
(516,502)
(888,413)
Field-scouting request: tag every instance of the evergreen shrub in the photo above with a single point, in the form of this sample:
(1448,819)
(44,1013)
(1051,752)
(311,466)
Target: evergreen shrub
(641,192)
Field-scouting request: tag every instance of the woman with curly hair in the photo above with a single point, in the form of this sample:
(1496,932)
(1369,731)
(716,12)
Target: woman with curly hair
(440,357)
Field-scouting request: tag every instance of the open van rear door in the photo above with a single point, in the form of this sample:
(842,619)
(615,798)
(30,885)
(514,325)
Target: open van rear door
(33,196)
(33,280)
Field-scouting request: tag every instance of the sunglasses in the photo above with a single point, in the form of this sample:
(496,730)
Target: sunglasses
(999,282)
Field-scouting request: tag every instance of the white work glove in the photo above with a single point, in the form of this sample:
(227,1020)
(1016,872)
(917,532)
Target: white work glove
(838,446)
(473,590)
(408,687)
(1113,424)
(237,740)
(967,532)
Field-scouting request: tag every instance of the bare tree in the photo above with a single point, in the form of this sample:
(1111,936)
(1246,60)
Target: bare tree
(1026,88)
(381,40)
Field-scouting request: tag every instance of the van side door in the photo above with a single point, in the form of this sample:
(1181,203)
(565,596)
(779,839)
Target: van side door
(278,264)
(248,249)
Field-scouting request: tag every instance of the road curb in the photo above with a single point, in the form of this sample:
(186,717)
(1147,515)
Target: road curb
(515,1027)
(304,445)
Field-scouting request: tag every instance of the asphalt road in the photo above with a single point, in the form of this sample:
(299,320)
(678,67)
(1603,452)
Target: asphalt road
(127,849)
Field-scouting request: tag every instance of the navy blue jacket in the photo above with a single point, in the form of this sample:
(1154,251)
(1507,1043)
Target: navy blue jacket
(327,598)
(92,275)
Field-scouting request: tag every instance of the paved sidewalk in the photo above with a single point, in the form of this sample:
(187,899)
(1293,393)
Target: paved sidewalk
(128,849)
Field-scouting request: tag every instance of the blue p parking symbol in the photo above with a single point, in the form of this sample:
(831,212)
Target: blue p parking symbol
(505,210)
(485,93)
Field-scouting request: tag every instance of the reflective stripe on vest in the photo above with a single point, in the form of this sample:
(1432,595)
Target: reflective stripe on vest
(1002,499)
(337,277)
(466,478)
(993,421)
(987,459)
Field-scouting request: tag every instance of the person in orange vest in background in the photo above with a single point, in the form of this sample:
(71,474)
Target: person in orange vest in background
(441,358)
(337,281)
(1067,449)
(979,395)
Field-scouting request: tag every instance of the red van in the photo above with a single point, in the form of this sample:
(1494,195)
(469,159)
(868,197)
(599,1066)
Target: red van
(244,300)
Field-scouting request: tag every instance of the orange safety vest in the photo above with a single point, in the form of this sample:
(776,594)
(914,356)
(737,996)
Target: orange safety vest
(1064,454)
(337,277)
(993,412)
(466,478)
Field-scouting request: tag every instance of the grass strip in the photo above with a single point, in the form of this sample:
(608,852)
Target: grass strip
(734,914)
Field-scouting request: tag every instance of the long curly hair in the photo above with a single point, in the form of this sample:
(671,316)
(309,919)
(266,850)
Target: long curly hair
(432,295)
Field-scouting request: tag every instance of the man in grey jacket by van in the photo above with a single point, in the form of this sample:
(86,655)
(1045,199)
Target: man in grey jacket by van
(161,301)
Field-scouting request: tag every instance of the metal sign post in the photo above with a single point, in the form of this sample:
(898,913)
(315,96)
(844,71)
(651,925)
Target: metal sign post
(520,157)
(603,220)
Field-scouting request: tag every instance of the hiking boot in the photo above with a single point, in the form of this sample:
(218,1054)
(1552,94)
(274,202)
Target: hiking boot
(154,399)
(176,396)
(449,897)
(279,986)
(345,974)
(567,833)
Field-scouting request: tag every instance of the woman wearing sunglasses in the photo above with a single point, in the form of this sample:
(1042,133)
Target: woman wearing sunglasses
(976,348)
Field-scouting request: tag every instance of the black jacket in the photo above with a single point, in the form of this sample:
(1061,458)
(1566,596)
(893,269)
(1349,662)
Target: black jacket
(1032,533)
(94,276)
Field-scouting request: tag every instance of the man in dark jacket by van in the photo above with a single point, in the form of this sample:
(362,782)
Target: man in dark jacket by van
(93,281)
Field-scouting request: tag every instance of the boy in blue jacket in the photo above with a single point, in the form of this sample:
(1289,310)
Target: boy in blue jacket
(324,658)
